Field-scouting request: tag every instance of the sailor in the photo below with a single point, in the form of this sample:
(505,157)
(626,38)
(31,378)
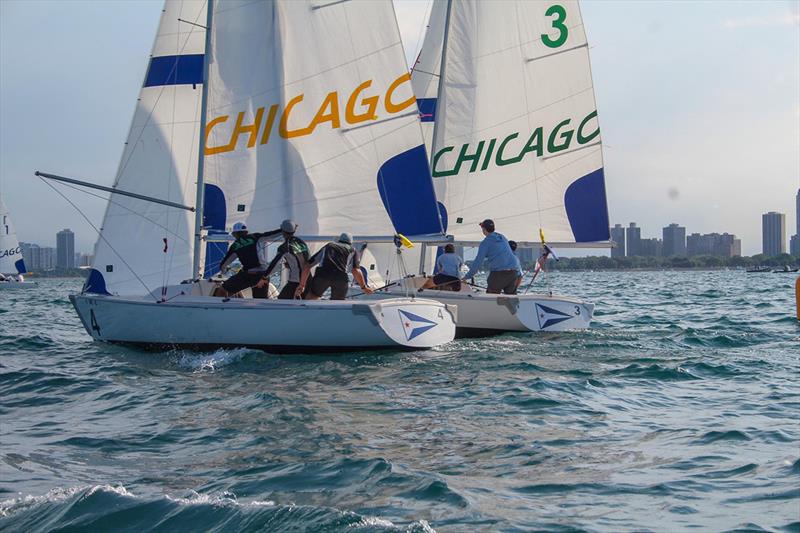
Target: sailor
(448,271)
(504,266)
(513,246)
(334,261)
(293,253)
(246,249)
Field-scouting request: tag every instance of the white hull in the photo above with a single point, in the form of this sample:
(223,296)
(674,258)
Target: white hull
(18,284)
(274,325)
(481,314)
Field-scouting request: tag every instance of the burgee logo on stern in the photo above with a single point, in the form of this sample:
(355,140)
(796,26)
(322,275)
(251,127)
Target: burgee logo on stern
(414,325)
(549,316)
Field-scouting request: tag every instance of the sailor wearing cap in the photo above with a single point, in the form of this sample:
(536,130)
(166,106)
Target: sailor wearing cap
(334,261)
(245,248)
(504,267)
(293,253)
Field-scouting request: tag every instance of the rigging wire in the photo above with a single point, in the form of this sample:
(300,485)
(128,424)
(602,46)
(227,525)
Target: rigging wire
(99,233)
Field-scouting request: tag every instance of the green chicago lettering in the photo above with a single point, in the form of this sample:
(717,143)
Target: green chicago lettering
(534,144)
(463,156)
(583,139)
(439,154)
(499,159)
(552,147)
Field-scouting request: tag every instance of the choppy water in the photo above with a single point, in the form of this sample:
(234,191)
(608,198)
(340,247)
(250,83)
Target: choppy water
(678,410)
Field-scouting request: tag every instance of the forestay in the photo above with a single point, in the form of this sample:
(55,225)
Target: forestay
(517,133)
(11,261)
(311,116)
(159,160)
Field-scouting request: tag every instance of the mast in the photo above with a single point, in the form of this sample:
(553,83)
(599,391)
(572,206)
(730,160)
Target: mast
(424,252)
(439,89)
(198,214)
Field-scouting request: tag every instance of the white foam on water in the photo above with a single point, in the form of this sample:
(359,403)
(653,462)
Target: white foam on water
(23,502)
(371,521)
(209,362)
(224,499)
(57,495)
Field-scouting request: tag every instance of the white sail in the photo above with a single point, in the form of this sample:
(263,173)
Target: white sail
(517,134)
(311,116)
(425,72)
(11,261)
(159,160)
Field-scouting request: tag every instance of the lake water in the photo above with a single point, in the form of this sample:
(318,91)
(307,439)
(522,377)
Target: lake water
(678,410)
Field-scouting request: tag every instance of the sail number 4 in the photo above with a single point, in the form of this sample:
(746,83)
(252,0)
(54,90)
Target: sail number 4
(557,23)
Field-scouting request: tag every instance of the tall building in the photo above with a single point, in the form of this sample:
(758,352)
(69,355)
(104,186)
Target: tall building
(47,258)
(724,245)
(674,240)
(633,240)
(31,255)
(773,233)
(525,255)
(794,242)
(651,247)
(618,236)
(65,249)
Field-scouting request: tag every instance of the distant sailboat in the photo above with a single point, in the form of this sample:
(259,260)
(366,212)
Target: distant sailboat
(506,98)
(12,265)
(308,113)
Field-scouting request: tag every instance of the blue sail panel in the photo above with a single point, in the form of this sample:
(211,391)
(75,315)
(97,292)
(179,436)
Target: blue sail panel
(587,210)
(406,189)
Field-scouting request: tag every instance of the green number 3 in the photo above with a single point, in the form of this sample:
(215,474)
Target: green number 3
(558,23)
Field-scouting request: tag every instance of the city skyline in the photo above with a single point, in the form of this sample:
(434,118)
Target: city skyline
(667,116)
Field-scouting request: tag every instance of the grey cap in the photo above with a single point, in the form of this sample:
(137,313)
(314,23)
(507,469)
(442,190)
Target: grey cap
(288,226)
(346,237)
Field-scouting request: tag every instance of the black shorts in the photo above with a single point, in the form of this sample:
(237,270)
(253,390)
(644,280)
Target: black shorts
(287,292)
(244,280)
(447,283)
(322,281)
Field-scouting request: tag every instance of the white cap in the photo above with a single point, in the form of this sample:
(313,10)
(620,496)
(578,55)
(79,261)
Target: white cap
(288,226)
(239,226)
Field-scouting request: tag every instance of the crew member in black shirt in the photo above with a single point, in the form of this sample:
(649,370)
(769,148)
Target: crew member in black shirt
(335,260)
(294,254)
(246,248)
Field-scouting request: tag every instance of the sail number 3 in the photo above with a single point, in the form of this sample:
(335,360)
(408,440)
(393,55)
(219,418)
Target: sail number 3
(557,23)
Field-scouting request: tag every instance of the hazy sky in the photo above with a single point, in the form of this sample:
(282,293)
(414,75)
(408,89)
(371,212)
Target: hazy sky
(699,105)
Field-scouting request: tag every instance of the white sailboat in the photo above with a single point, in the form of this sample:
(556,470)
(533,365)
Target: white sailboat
(308,113)
(12,265)
(506,99)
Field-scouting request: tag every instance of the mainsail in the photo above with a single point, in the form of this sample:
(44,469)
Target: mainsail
(143,245)
(311,116)
(11,261)
(517,136)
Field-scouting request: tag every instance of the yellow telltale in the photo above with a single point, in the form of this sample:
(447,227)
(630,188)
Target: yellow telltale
(404,241)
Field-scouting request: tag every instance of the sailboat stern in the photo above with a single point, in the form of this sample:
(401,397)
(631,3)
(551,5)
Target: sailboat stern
(554,313)
(418,323)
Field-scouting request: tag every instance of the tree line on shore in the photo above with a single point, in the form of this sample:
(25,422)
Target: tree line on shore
(648,262)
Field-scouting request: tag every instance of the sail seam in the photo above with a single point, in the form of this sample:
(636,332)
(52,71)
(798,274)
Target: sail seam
(579,148)
(584,45)
(381,121)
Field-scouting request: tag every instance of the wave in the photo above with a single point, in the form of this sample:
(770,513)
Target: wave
(108,507)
